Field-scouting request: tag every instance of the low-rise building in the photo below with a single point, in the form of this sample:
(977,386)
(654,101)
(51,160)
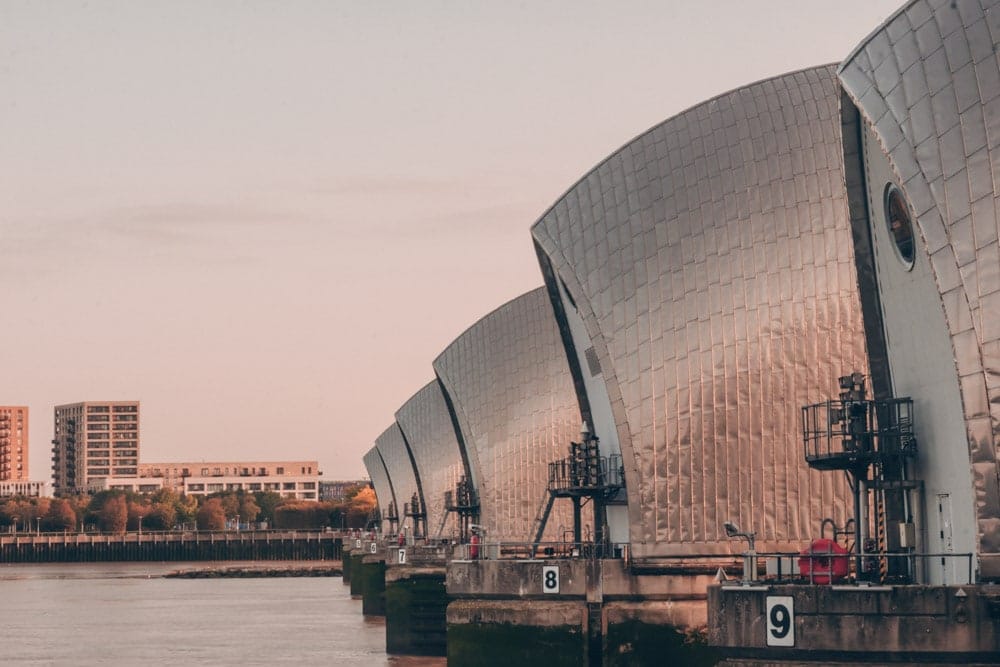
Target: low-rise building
(25,489)
(291,479)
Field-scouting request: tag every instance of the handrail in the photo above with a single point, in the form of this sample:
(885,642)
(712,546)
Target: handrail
(752,560)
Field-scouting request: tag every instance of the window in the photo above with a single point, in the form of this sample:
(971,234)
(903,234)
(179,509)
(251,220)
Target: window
(289,486)
(281,471)
(900,224)
(196,487)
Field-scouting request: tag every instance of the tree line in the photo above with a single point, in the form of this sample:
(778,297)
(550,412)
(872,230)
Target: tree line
(120,511)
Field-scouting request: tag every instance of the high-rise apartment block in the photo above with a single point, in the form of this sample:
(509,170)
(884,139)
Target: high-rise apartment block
(13,443)
(94,441)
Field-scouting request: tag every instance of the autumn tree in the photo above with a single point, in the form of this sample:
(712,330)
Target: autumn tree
(249,510)
(161,516)
(60,516)
(113,515)
(359,507)
(137,511)
(211,515)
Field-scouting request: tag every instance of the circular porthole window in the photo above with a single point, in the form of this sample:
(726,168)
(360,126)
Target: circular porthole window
(900,224)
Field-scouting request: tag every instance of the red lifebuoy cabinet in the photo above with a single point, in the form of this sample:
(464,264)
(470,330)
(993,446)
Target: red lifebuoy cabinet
(824,562)
(474,547)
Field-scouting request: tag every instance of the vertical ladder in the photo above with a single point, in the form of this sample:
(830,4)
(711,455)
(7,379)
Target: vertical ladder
(542,517)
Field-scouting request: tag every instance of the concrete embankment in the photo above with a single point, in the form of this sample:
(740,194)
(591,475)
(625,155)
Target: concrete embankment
(333,569)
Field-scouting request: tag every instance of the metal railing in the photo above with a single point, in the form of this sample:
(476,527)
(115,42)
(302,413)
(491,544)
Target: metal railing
(828,568)
(540,550)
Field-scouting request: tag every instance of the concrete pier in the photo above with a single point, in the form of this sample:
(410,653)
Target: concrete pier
(803,625)
(415,601)
(345,556)
(574,612)
(357,581)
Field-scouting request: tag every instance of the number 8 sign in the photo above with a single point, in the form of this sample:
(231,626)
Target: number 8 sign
(780,620)
(550,579)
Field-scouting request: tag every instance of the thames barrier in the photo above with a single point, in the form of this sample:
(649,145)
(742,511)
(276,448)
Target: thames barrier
(752,415)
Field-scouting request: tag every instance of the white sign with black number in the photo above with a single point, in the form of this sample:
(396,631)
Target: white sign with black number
(550,578)
(780,611)
(401,557)
(373,547)
(357,544)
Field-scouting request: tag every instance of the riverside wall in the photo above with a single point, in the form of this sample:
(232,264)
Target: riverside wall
(173,546)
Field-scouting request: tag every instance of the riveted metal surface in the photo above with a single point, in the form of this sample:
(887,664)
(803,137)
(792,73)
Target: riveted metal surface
(380,480)
(510,386)
(928,82)
(428,428)
(399,466)
(710,259)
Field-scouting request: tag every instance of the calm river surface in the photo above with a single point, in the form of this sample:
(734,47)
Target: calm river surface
(126,614)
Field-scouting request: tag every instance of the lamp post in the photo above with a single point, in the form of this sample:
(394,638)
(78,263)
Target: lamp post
(750,557)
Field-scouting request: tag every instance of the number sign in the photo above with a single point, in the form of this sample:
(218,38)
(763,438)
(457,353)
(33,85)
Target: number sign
(357,544)
(780,620)
(550,579)
(373,547)
(401,557)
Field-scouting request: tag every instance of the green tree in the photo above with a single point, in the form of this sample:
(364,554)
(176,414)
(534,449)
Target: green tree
(267,501)
(187,509)
(211,515)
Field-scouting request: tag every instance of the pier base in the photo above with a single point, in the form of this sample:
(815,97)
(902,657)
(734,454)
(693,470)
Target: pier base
(415,605)
(371,574)
(511,632)
(803,625)
(574,612)
(356,580)
(345,558)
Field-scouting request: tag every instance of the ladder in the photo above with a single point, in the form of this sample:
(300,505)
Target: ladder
(542,517)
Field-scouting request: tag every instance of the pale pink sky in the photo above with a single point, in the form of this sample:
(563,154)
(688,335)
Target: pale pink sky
(264,220)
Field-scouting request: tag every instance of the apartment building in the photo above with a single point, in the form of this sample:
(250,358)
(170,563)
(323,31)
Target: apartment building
(291,479)
(94,441)
(13,443)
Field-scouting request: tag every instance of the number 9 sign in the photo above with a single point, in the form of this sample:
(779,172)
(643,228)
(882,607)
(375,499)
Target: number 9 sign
(780,620)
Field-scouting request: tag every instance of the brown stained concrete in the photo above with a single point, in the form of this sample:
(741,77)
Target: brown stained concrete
(852,624)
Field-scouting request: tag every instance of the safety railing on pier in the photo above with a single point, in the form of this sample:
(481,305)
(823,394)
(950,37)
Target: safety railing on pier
(529,550)
(826,568)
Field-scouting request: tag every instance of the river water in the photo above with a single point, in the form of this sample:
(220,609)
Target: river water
(127,614)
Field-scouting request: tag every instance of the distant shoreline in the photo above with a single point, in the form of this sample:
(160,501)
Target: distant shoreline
(259,571)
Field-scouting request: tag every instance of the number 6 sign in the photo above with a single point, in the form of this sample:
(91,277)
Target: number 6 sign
(780,620)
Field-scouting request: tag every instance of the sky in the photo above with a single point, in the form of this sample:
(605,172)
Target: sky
(264,220)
